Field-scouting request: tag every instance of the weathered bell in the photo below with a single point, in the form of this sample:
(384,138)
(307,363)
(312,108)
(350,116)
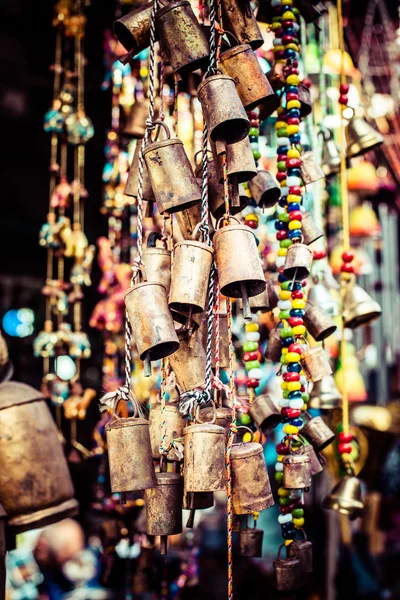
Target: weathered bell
(133,30)
(240,164)
(189,361)
(259,303)
(220,415)
(315,364)
(131,185)
(35,485)
(223,342)
(358,307)
(223,110)
(330,161)
(173,182)
(164,507)
(305,100)
(311,171)
(309,229)
(311,11)
(241,63)
(182,37)
(157,265)
(361,137)
(317,432)
(250,542)
(318,322)
(325,395)
(251,489)
(238,264)
(298,262)
(274,346)
(190,275)
(287,574)
(296,471)
(303,551)
(174,426)
(273,297)
(238,19)
(135,121)
(265,413)
(276,76)
(204,458)
(264,189)
(346,497)
(129,437)
(319,295)
(196,501)
(315,464)
(188,219)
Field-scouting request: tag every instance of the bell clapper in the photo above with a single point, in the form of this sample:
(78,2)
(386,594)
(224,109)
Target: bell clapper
(147,365)
(190,521)
(122,498)
(246,303)
(163,545)
(235,192)
(189,322)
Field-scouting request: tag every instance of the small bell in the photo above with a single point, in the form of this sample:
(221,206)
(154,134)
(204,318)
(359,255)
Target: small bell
(361,137)
(330,154)
(135,123)
(240,164)
(250,542)
(315,464)
(310,169)
(346,497)
(164,507)
(259,303)
(174,426)
(251,489)
(189,361)
(287,573)
(303,551)
(318,322)
(319,295)
(220,415)
(239,20)
(265,413)
(182,37)
(133,30)
(157,264)
(315,364)
(317,432)
(264,189)
(204,458)
(296,471)
(305,100)
(325,395)
(358,307)
(222,109)
(276,76)
(298,262)
(309,230)
(131,185)
(274,346)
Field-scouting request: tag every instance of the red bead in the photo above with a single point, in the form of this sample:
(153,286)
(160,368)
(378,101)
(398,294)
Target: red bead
(255,123)
(296,190)
(304,283)
(347,268)
(293,120)
(319,254)
(295,63)
(343,99)
(287,39)
(345,437)
(252,383)
(307,82)
(281,176)
(251,224)
(345,448)
(282,157)
(297,295)
(251,114)
(282,449)
(286,510)
(347,256)
(290,413)
(291,71)
(292,163)
(281,235)
(288,24)
(279,55)
(295,348)
(292,96)
(303,389)
(250,356)
(291,376)
(293,321)
(296,215)
(280,270)
(344,88)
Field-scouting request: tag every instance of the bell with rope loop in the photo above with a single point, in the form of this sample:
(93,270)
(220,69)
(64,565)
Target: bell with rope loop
(287,573)
(297,470)
(136,119)
(174,426)
(157,261)
(239,20)
(315,364)
(164,507)
(133,30)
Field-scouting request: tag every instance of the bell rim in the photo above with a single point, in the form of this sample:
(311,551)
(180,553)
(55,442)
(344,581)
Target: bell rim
(162,251)
(204,428)
(245,450)
(42,518)
(235,50)
(122,422)
(241,177)
(121,26)
(233,131)
(136,286)
(161,144)
(353,318)
(234,289)
(196,244)
(161,350)
(216,77)
(170,6)
(168,479)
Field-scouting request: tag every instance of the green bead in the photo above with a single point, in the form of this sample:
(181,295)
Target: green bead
(245,185)
(297,513)
(284,501)
(284,217)
(256,154)
(286,332)
(286,244)
(295,11)
(285,393)
(305,397)
(250,346)
(284,315)
(281,165)
(285,284)
(282,132)
(283,359)
(252,364)
(276,19)
(279,476)
(296,444)
(246,419)
(253,131)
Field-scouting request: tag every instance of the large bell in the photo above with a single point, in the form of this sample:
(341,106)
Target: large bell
(315,364)
(189,361)
(265,413)
(361,137)
(317,433)
(204,458)
(358,307)
(133,30)
(251,489)
(238,19)
(346,497)
(325,395)
(330,161)
(287,574)
(318,322)
(264,189)
(240,164)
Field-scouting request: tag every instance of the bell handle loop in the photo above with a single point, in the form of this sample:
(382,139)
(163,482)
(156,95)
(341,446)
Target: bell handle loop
(247,429)
(140,275)
(161,125)
(132,399)
(198,162)
(280,550)
(217,398)
(196,231)
(352,115)
(218,225)
(327,134)
(197,414)
(228,34)
(298,452)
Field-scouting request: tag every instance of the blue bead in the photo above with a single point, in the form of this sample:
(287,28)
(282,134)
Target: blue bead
(287,341)
(280,226)
(295,138)
(293,112)
(284,149)
(293,206)
(282,201)
(281,278)
(296,422)
(290,32)
(297,312)
(291,88)
(294,171)
(294,285)
(253,138)
(290,53)
(294,395)
(286,527)
(294,367)
(294,234)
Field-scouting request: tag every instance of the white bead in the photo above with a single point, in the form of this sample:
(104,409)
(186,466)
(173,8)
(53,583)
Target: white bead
(284,403)
(284,304)
(303,379)
(279,466)
(277,41)
(296,26)
(295,494)
(302,208)
(255,374)
(252,336)
(292,180)
(283,141)
(297,403)
(280,261)
(285,519)
(275,3)
(280,210)
(284,191)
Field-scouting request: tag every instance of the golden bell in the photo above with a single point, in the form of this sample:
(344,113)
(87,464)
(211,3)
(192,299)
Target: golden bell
(133,30)
(303,551)
(240,164)
(330,154)
(317,432)
(251,489)
(250,542)
(241,63)
(36,489)
(204,458)
(264,189)
(131,185)
(296,471)
(223,110)
(298,262)
(188,219)
(287,574)
(190,275)
(315,364)
(274,347)
(310,169)
(315,465)
(174,426)
(309,230)
(135,122)
(318,322)
(361,137)
(173,182)
(238,19)
(325,395)
(182,37)
(157,264)
(305,100)
(265,413)
(189,361)
(220,415)
(358,307)
(346,497)
(164,507)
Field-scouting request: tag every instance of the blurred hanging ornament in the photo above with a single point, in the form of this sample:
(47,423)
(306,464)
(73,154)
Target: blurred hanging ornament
(79,128)
(54,119)
(364,222)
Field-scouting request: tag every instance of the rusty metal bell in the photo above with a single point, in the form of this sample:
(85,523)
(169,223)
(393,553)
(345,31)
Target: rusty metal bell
(157,264)
(274,346)
(315,364)
(35,486)
(317,432)
(204,458)
(259,303)
(135,121)
(240,163)
(188,219)
(276,76)
(131,185)
(223,110)
(346,497)
(174,426)
(315,464)
(223,342)
(330,154)
(296,471)
(273,297)
(361,137)
(358,307)
(173,182)
(311,171)
(220,415)
(303,551)
(241,63)
(305,100)
(189,361)
(265,413)
(264,189)
(239,20)
(250,542)
(309,229)
(318,322)
(133,30)
(325,394)
(287,573)
(251,489)
(182,37)
(164,507)
(298,262)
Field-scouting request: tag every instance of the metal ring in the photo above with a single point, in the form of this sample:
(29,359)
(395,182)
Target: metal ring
(197,413)
(248,430)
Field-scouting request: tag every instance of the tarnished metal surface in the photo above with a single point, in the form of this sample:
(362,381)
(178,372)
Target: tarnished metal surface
(251,489)
(174,426)
(265,413)
(287,574)
(250,542)
(274,346)
(302,550)
(164,505)
(298,262)
(361,137)
(265,189)
(315,364)
(189,361)
(204,458)
(315,465)
(131,185)
(190,275)
(311,171)
(240,164)
(309,230)
(296,471)
(238,19)
(188,218)
(135,121)
(157,264)
(221,414)
(318,322)
(317,432)
(198,500)
(133,29)
(216,201)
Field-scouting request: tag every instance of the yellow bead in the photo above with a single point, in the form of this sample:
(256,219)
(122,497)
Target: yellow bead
(283,493)
(290,429)
(299,330)
(280,457)
(256,514)
(251,327)
(284,350)
(284,385)
(282,251)
(293,103)
(295,224)
(292,357)
(304,406)
(281,125)
(298,523)
(292,46)
(293,153)
(276,26)
(346,457)
(281,110)
(292,386)
(288,542)
(247,437)
(297,303)
(283,183)
(281,61)
(285,295)
(288,16)
(293,198)
(251,217)
(292,129)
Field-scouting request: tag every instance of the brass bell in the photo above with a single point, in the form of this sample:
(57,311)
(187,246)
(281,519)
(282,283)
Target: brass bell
(250,542)
(311,171)
(135,121)
(319,295)
(264,189)
(182,37)
(239,20)
(315,364)
(241,63)
(204,458)
(315,464)
(131,185)
(330,154)
(309,230)
(238,264)
(361,137)
(188,219)
(240,164)
(157,264)
(346,497)
(197,501)
(251,489)
(220,415)
(296,471)
(223,110)
(358,307)
(287,573)
(133,30)
(317,432)
(305,100)
(173,182)
(325,395)
(265,413)
(274,346)
(174,426)
(303,551)
(164,507)
(318,322)
(189,361)
(298,262)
